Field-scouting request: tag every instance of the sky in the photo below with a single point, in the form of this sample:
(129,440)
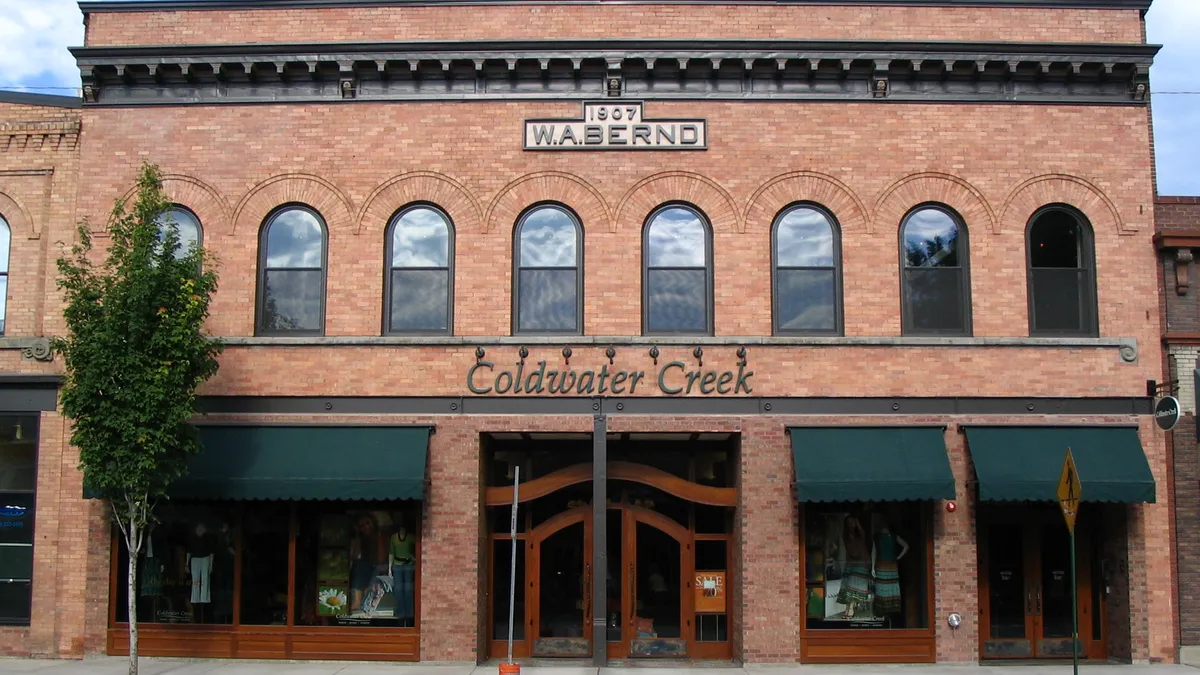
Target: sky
(35,34)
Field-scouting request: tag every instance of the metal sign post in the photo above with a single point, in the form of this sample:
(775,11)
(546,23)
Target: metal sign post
(512,572)
(1069,490)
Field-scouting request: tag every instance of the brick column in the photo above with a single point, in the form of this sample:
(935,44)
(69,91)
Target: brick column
(769,549)
(450,546)
(956,562)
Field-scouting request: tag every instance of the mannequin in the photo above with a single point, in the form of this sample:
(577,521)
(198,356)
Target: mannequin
(887,573)
(199,564)
(364,559)
(856,578)
(402,559)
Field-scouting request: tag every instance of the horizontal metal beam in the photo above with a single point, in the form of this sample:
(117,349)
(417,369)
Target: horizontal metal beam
(714,406)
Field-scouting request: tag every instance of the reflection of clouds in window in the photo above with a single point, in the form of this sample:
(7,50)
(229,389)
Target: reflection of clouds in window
(294,240)
(547,300)
(676,239)
(806,299)
(675,300)
(419,300)
(185,224)
(5,242)
(804,238)
(292,300)
(421,238)
(547,239)
(930,239)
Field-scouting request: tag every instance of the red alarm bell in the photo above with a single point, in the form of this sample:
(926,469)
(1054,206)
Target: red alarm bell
(951,507)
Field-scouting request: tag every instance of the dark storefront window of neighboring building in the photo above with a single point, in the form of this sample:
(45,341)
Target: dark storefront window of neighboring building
(18,481)
(935,286)
(549,293)
(291,276)
(866,566)
(677,295)
(1062,287)
(806,252)
(356,565)
(420,253)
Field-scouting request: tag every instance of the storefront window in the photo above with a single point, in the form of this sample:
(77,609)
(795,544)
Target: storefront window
(264,592)
(185,569)
(865,566)
(356,564)
(18,478)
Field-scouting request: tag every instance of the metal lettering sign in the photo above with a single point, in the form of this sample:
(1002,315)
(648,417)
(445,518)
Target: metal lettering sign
(615,125)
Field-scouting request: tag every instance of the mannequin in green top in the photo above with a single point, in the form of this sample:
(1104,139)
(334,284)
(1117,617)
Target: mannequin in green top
(402,558)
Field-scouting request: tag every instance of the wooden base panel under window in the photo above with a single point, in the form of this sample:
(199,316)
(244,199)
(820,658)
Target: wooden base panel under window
(352,644)
(858,647)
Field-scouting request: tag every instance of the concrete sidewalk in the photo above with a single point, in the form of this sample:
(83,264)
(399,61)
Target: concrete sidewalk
(149,666)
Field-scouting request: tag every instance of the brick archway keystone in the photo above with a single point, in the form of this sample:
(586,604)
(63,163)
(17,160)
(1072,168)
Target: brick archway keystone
(313,191)
(670,186)
(943,188)
(420,186)
(549,186)
(805,186)
(1057,188)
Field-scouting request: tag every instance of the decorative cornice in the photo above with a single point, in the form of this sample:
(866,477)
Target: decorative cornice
(179,5)
(649,70)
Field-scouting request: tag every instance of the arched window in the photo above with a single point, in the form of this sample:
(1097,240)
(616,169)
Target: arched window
(935,286)
(291,273)
(807,256)
(549,279)
(677,294)
(420,251)
(5,242)
(186,224)
(1062,263)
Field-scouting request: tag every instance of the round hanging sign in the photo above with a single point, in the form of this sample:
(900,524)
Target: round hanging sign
(1166,413)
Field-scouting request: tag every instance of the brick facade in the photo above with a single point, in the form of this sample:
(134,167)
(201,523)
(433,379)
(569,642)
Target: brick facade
(357,163)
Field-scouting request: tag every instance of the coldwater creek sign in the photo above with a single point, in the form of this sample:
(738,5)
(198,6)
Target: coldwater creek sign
(675,378)
(615,126)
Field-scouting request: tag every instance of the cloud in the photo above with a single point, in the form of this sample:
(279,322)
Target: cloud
(35,35)
(1172,23)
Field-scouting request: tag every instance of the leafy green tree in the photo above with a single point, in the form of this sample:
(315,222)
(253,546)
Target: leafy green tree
(135,352)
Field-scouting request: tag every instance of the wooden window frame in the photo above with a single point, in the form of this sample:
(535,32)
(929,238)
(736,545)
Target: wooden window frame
(964,273)
(1087,264)
(389,268)
(517,268)
(260,305)
(708,268)
(838,318)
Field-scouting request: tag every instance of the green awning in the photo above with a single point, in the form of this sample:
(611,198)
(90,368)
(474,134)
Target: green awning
(307,462)
(1025,463)
(879,464)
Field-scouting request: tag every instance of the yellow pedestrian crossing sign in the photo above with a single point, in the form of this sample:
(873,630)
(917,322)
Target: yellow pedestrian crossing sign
(1069,491)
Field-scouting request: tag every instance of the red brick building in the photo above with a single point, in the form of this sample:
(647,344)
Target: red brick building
(783,317)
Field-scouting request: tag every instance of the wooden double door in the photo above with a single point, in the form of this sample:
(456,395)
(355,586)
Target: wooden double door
(1025,586)
(648,585)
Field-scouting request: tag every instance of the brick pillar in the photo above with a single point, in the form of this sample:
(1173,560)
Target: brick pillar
(769,551)
(450,546)
(1152,607)
(1187,523)
(956,562)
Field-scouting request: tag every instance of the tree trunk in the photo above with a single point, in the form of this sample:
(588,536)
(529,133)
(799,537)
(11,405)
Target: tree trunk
(131,544)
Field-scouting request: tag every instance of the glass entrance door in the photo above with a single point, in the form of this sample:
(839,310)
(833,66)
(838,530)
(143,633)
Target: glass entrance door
(561,593)
(1026,587)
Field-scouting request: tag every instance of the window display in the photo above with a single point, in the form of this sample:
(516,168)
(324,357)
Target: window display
(18,471)
(864,566)
(356,565)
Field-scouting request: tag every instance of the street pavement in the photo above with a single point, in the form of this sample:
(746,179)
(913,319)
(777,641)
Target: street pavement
(119,666)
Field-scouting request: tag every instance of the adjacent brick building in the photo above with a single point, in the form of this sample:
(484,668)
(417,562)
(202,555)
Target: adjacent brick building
(783,316)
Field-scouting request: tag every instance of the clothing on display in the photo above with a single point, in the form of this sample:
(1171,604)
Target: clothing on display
(887,574)
(151,572)
(201,579)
